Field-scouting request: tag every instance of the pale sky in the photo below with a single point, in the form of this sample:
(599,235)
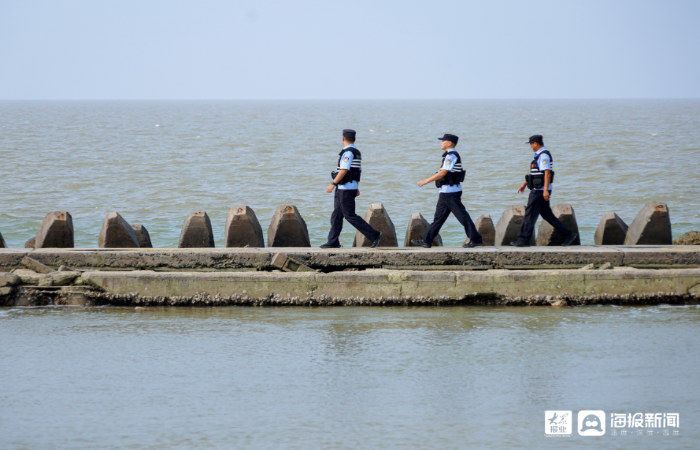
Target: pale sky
(215,49)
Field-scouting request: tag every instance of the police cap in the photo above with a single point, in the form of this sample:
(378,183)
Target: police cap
(536,138)
(349,134)
(449,137)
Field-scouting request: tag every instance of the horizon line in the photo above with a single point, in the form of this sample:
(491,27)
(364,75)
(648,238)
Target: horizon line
(336,99)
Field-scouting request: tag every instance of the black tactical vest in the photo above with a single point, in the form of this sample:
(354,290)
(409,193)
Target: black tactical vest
(535,178)
(355,166)
(454,176)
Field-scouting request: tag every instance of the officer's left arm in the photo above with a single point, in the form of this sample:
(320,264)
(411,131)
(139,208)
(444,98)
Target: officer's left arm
(336,180)
(440,174)
(340,176)
(447,165)
(547,177)
(345,162)
(545,165)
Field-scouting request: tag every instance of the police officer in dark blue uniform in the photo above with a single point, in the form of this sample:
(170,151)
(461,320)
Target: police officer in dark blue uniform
(449,179)
(346,179)
(539,180)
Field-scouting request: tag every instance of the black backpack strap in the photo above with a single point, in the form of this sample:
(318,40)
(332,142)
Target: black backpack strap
(537,156)
(355,152)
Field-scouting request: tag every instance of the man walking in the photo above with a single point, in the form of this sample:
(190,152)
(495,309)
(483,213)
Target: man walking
(539,180)
(346,179)
(448,179)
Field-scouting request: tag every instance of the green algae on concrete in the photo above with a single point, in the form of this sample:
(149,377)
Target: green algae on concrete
(378,284)
(369,287)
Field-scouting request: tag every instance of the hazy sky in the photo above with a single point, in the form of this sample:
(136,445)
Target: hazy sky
(352,49)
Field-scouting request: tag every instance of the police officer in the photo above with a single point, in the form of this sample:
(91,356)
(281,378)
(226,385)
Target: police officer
(539,180)
(449,179)
(346,180)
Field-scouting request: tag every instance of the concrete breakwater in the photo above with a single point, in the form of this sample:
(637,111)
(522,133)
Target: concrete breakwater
(651,226)
(126,270)
(295,276)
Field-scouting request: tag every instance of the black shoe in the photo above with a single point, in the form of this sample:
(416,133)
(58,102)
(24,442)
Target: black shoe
(520,244)
(376,241)
(331,245)
(570,240)
(472,244)
(420,243)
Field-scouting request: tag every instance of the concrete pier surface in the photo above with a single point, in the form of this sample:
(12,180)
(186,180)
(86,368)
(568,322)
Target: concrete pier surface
(660,256)
(555,276)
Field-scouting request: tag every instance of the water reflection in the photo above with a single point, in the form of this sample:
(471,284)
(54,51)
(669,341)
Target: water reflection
(350,376)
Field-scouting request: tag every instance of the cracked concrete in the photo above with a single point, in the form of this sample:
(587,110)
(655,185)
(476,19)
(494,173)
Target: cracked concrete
(358,258)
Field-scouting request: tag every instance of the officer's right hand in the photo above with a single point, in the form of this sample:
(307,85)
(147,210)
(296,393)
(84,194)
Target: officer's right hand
(330,188)
(521,189)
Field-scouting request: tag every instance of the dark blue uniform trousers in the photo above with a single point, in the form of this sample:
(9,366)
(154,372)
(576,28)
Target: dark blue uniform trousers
(536,206)
(451,203)
(344,207)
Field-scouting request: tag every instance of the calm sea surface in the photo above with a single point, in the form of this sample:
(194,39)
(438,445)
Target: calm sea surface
(341,377)
(347,377)
(155,162)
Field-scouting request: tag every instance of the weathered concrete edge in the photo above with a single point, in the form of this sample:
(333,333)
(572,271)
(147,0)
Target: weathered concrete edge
(360,258)
(373,287)
(377,283)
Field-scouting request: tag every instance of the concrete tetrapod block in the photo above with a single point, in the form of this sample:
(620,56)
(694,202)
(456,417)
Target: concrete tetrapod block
(56,231)
(508,226)
(196,231)
(416,227)
(651,226)
(143,236)
(379,219)
(611,230)
(30,242)
(547,235)
(243,228)
(287,228)
(117,233)
(484,225)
